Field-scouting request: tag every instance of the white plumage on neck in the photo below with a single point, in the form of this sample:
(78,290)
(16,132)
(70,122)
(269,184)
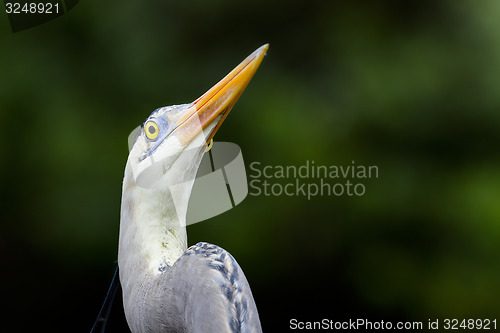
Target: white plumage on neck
(151,226)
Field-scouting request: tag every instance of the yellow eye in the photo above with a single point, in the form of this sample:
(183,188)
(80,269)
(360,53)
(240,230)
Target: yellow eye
(151,130)
(209,145)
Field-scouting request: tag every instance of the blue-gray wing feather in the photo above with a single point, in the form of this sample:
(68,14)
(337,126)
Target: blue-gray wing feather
(210,292)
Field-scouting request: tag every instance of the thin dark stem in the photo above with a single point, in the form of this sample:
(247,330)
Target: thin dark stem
(102,318)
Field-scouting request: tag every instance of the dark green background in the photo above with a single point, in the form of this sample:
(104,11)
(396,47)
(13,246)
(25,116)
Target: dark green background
(410,86)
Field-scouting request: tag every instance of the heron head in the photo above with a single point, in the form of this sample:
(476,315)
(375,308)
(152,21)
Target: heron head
(178,135)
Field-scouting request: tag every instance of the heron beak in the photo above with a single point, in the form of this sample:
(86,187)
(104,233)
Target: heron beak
(218,100)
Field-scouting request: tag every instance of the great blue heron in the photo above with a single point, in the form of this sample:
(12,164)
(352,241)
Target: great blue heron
(168,287)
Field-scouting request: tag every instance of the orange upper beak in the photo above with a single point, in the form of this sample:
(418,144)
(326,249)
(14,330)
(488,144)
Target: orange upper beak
(218,100)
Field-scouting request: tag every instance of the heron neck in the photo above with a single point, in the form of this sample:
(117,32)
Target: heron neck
(152,229)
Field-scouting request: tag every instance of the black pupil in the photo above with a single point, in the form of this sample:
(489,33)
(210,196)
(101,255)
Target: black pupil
(152,129)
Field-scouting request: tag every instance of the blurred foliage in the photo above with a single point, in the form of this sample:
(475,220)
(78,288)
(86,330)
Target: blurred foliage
(410,86)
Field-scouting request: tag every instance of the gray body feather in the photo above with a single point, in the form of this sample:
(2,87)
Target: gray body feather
(204,291)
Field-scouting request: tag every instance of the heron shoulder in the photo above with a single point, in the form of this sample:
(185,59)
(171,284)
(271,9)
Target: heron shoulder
(218,289)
